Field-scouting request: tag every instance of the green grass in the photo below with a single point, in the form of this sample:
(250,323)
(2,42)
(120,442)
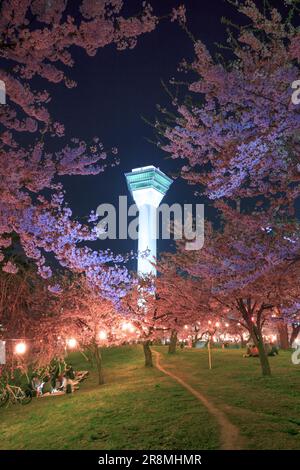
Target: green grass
(266,410)
(141,408)
(137,408)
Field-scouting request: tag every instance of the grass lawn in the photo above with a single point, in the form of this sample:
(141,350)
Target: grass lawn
(141,408)
(266,410)
(138,408)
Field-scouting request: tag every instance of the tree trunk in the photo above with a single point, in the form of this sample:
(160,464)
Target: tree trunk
(263,357)
(91,357)
(283,335)
(294,334)
(148,354)
(173,342)
(243,342)
(98,359)
(255,329)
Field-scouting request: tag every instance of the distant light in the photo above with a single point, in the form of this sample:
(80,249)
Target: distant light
(296,342)
(209,322)
(20,348)
(227,325)
(217,324)
(127,326)
(72,343)
(185,327)
(102,335)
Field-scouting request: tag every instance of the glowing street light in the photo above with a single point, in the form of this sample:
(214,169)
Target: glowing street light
(71,343)
(20,348)
(102,335)
(127,326)
(131,328)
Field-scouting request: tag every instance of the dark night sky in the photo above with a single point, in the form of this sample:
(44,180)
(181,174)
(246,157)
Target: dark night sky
(115,89)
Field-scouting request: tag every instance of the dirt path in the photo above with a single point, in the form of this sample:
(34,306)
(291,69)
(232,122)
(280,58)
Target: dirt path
(230,438)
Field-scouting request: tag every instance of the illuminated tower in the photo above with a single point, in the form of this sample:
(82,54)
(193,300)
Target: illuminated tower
(148,185)
(2,92)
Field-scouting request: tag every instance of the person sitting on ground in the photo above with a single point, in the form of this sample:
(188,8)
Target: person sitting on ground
(47,386)
(36,385)
(70,374)
(69,384)
(59,382)
(274,350)
(248,351)
(254,351)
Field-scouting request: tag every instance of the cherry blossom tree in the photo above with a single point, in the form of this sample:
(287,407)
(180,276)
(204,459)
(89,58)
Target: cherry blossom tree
(288,331)
(37,38)
(186,312)
(52,318)
(240,270)
(238,132)
(141,307)
(91,320)
(159,308)
(27,305)
(287,314)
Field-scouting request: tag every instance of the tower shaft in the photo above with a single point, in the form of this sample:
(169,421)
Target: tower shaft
(148,185)
(147,242)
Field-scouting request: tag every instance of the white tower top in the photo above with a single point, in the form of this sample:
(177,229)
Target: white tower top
(148,185)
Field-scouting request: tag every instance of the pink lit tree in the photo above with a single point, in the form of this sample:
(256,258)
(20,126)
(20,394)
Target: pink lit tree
(92,321)
(185,300)
(28,314)
(242,268)
(51,320)
(36,46)
(160,308)
(141,306)
(237,132)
